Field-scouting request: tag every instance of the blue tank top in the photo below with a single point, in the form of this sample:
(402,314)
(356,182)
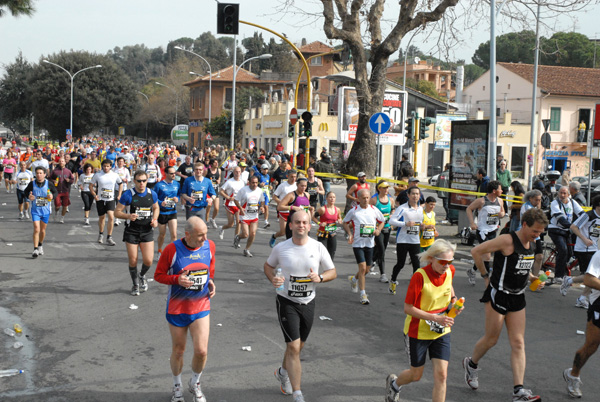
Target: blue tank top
(41,204)
(386,210)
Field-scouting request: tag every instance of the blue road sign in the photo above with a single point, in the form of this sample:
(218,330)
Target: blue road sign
(380,123)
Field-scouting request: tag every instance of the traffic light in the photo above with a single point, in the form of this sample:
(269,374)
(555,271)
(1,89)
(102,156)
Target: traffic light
(408,129)
(301,131)
(291,130)
(307,123)
(228,15)
(424,127)
(227,126)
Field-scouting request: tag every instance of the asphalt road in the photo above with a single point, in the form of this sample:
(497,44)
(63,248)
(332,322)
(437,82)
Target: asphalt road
(82,342)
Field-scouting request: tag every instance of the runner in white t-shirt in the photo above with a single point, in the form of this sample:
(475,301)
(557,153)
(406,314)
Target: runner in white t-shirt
(367,224)
(23,178)
(229,191)
(280,192)
(249,200)
(123,172)
(304,263)
(103,188)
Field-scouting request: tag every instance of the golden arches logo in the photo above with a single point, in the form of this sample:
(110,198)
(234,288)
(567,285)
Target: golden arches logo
(324,127)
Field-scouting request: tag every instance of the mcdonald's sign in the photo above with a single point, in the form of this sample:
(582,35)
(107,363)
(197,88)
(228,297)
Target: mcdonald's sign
(324,127)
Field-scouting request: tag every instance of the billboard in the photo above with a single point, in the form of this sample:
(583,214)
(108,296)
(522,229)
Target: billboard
(179,134)
(443,128)
(468,153)
(394,105)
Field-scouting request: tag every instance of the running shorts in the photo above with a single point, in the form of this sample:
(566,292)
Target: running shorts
(416,349)
(104,206)
(136,236)
(62,199)
(232,209)
(363,254)
(502,302)
(295,319)
(164,219)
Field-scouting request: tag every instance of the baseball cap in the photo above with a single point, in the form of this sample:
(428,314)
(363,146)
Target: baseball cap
(361,174)
(242,164)
(264,167)
(383,184)
(413,179)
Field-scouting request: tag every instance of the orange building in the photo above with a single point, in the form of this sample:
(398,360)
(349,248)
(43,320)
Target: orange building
(424,70)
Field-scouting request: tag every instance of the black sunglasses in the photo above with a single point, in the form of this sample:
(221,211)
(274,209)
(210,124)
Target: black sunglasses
(141,181)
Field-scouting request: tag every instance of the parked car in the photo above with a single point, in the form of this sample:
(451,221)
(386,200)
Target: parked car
(433,180)
(583,180)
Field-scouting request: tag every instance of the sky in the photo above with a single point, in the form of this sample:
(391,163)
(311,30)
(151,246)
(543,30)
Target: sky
(98,26)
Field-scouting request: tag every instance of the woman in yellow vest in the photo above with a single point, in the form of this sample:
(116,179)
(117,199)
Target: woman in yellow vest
(429,297)
(428,230)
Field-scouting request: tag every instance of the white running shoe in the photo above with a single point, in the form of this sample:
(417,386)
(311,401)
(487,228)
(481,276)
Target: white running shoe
(117,222)
(353,284)
(27,214)
(525,395)
(35,253)
(135,290)
(62,220)
(285,384)
(177,394)
(564,287)
(383,279)
(267,224)
(573,384)
(100,238)
(471,275)
(213,223)
(86,222)
(391,395)
(41,250)
(471,376)
(143,283)
(364,299)
(110,241)
(299,398)
(221,233)
(196,391)
(582,302)
(21,216)
(247,253)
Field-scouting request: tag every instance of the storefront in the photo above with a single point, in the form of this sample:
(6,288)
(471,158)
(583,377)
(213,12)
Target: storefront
(567,156)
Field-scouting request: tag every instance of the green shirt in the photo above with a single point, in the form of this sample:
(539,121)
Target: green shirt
(504,177)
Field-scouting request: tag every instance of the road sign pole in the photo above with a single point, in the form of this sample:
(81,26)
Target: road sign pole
(377,166)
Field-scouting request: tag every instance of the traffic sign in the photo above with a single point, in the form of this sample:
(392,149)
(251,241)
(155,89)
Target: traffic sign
(380,123)
(293,116)
(251,144)
(208,137)
(69,134)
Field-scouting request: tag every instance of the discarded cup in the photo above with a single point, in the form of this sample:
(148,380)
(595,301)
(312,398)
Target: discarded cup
(240,281)
(219,325)
(324,318)
(133,307)
(17,345)
(9,332)
(247,348)
(18,328)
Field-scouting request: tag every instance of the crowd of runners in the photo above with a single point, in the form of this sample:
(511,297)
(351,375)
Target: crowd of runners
(145,187)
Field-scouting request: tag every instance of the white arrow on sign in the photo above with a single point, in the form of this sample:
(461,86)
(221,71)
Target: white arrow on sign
(379,122)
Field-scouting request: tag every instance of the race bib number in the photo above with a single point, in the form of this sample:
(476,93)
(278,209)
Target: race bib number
(216,187)
(413,230)
(386,217)
(525,264)
(24,182)
(151,176)
(189,171)
(169,203)
(200,278)
(197,195)
(428,234)
(106,193)
(331,227)
(143,213)
(367,230)
(87,180)
(41,202)
(595,231)
(312,191)
(492,220)
(435,327)
(252,208)
(300,286)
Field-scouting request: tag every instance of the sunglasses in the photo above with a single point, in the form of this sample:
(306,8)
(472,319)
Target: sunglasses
(444,262)
(141,181)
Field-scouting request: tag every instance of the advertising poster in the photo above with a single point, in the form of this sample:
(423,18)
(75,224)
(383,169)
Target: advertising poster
(179,134)
(468,153)
(394,105)
(443,128)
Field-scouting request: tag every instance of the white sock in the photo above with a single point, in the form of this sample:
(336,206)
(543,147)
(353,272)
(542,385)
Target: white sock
(282,372)
(196,377)
(177,379)
(362,292)
(296,393)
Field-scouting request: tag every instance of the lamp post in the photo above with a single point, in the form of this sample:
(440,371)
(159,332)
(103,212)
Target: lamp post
(147,100)
(209,80)
(235,71)
(72,78)
(176,97)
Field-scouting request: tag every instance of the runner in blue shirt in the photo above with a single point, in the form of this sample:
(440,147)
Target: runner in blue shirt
(198,192)
(167,192)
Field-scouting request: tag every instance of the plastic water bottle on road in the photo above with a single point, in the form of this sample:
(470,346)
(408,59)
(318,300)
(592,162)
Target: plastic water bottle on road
(10,372)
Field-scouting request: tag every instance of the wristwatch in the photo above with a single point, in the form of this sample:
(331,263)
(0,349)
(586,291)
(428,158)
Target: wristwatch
(486,275)
(321,277)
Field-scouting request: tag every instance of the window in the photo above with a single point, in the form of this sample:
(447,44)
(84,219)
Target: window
(508,86)
(201,94)
(228,96)
(554,119)
(193,100)
(317,61)
(518,160)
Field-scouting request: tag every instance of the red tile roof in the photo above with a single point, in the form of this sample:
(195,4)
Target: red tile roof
(574,81)
(316,47)
(226,75)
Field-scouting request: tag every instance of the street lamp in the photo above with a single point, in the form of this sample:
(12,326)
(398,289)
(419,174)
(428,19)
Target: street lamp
(72,78)
(235,71)
(176,97)
(147,100)
(209,80)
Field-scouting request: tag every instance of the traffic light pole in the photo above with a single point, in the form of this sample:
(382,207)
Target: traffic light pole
(416,131)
